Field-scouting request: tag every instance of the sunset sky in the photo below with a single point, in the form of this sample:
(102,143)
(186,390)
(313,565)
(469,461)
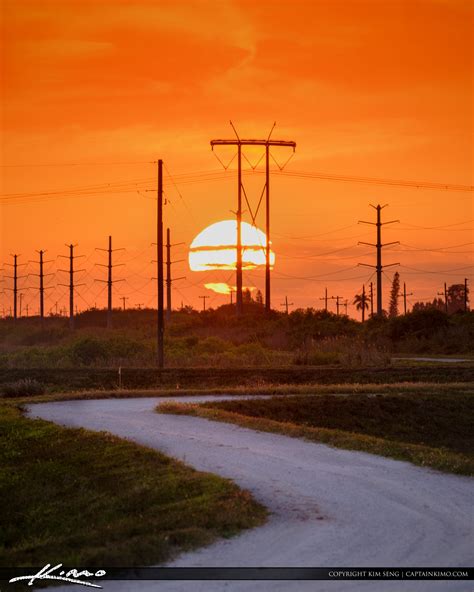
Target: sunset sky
(94,92)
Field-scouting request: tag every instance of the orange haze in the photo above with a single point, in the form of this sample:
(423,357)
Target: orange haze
(93,92)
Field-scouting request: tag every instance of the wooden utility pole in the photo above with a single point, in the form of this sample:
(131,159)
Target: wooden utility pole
(445,295)
(405,298)
(124,299)
(363,302)
(109,279)
(371,299)
(325,298)
(378,245)
(239,143)
(345,306)
(15,277)
(159,246)
(287,304)
(204,298)
(72,286)
(337,298)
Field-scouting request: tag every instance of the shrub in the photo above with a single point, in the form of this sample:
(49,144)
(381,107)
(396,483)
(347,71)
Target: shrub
(88,350)
(22,388)
(314,357)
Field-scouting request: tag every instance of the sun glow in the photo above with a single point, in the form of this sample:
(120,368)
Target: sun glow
(215,247)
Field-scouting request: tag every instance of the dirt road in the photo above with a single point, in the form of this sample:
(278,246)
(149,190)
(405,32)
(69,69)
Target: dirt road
(330,507)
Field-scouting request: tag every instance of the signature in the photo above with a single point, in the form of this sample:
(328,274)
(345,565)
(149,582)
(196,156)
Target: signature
(73,576)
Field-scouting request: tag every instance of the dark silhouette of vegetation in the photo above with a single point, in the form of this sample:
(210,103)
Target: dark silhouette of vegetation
(394,296)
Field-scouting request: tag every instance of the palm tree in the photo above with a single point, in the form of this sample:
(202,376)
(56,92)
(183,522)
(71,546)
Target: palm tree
(361,302)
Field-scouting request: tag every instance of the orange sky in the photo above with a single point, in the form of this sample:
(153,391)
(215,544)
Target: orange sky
(367,89)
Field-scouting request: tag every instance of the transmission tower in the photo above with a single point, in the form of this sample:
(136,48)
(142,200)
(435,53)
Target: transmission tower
(72,286)
(15,277)
(41,275)
(378,245)
(109,281)
(159,261)
(239,142)
(169,279)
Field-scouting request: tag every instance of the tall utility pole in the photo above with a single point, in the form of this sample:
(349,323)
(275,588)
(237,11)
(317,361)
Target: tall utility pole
(71,284)
(405,298)
(15,277)
(169,280)
(325,298)
(345,307)
(124,299)
(41,276)
(363,302)
(159,247)
(204,298)
(338,304)
(109,279)
(445,295)
(287,304)
(239,143)
(371,299)
(379,267)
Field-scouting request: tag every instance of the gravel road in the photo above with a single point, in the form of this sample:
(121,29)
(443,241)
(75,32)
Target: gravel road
(330,507)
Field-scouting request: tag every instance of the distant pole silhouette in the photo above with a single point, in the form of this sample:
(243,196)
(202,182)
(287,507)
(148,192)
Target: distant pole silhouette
(378,245)
(252,142)
(124,299)
(41,275)
(159,246)
(363,302)
(15,277)
(204,298)
(465,294)
(287,305)
(325,299)
(169,279)
(338,304)
(405,298)
(445,295)
(109,280)
(371,299)
(72,286)
(345,307)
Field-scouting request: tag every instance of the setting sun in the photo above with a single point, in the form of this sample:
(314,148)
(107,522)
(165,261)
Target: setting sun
(215,247)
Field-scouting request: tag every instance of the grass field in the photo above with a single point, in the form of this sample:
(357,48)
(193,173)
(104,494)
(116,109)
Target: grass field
(429,426)
(82,498)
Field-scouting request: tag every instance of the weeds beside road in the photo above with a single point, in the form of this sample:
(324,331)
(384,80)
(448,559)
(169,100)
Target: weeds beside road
(81,498)
(431,427)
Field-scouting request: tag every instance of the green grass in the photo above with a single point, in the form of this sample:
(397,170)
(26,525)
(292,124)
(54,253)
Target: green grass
(430,426)
(258,388)
(81,498)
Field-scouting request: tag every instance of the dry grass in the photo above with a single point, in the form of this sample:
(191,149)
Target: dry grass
(358,422)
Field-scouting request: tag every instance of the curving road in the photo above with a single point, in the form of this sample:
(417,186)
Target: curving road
(330,507)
